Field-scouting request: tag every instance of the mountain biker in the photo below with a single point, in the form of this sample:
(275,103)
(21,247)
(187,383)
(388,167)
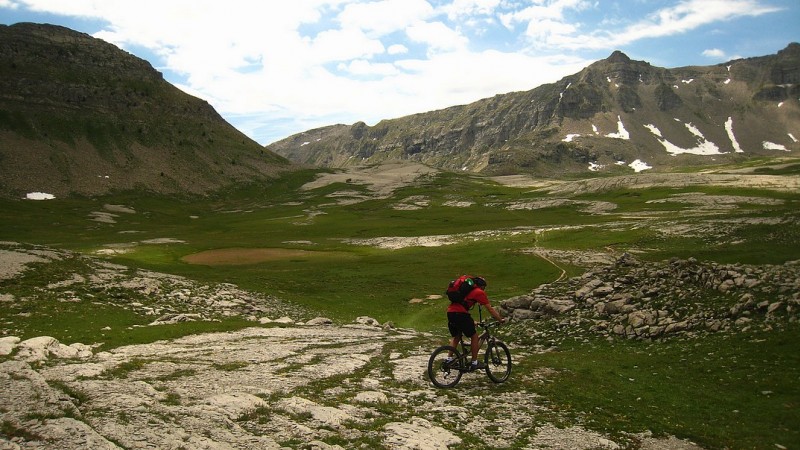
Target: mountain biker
(459,320)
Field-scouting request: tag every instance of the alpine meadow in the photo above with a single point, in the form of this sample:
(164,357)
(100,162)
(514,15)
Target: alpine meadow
(167,282)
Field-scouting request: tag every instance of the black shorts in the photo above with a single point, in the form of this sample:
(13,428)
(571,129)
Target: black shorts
(460,323)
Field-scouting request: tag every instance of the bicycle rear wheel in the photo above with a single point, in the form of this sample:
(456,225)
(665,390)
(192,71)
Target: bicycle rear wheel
(444,373)
(498,361)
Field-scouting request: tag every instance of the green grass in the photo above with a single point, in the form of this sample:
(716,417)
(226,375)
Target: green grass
(724,391)
(345,280)
(792,169)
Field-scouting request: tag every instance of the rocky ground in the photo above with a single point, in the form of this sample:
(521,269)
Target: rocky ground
(628,298)
(290,381)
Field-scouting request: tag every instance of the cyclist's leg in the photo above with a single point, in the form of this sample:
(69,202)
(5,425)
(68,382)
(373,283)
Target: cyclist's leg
(475,345)
(454,342)
(468,327)
(455,330)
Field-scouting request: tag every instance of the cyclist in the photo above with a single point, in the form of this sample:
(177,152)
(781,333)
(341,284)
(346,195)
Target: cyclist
(459,320)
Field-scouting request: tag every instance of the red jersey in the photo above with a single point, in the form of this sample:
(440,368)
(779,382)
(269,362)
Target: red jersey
(477,295)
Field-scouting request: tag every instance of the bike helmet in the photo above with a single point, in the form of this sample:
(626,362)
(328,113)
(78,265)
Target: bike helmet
(480,282)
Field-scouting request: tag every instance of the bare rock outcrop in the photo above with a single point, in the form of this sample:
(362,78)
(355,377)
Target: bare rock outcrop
(652,300)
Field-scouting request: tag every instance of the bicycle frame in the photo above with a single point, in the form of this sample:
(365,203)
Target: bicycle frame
(482,338)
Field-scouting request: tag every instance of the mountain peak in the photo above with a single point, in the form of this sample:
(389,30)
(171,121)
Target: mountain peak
(618,57)
(792,49)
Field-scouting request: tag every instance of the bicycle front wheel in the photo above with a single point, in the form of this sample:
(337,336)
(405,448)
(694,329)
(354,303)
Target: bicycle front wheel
(498,361)
(444,370)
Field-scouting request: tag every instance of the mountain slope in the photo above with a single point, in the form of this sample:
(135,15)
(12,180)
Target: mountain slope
(79,115)
(614,112)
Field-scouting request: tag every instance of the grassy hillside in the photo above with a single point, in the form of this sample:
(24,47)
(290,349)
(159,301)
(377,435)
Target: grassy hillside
(79,115)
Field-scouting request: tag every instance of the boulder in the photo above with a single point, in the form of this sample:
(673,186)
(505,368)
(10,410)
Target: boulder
(774,307)
(525,314)
(677,327)
(7,344)
(366,320)
(603,291)
(317,321)
(521,301)
(43,347)
(168,319)
(371,397)
(587,288)
(640,318)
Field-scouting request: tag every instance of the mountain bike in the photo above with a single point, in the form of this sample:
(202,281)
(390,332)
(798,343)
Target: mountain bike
(447,363)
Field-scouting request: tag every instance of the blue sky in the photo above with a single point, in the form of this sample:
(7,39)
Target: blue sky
(275,68)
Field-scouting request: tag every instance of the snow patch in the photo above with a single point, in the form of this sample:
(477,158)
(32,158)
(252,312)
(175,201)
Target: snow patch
(594,166)
(561,94)
(791,136)
(39,196)
(304,144)
(639,166)
(734,142)
(621,133)
(703,146)
(773,146)
(654,130)
(570,137)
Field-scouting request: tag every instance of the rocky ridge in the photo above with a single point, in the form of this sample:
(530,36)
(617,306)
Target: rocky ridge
(632,299)
(605,118)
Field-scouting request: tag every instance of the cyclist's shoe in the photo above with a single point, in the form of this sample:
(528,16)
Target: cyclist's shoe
(476,365)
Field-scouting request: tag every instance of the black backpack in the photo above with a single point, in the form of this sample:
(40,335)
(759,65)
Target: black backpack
(459,288)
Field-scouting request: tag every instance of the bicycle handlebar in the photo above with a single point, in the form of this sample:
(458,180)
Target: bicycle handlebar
(491,324)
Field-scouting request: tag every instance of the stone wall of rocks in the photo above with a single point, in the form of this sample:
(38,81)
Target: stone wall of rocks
(642,300)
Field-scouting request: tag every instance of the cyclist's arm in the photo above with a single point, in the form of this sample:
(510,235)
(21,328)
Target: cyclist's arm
(494,313)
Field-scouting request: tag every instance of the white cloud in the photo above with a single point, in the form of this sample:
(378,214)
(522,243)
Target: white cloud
(397,49)
(343,45)
(547,24)
(714,53)
(384,17)
(467,8)
(437,36)
(365,68)
(281,67)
